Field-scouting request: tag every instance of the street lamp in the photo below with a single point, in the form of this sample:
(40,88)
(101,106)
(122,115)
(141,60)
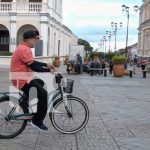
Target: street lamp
(108,33)
(114,26)
(104,40)
(109,38)
(126,9)
(101,44)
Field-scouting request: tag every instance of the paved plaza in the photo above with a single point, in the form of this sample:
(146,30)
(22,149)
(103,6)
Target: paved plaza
(119,116)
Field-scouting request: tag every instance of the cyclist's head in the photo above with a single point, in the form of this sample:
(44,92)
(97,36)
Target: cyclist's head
(30,37)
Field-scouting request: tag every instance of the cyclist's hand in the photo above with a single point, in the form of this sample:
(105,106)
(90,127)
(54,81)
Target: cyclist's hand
(51,67)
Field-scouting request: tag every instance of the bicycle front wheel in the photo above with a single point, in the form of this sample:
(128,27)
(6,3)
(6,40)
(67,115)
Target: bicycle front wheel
(71,122)
(10,128)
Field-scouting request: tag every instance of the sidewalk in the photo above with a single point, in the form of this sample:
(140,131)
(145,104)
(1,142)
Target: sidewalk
(119,116)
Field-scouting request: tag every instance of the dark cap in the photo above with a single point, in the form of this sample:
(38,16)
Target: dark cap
(30,34)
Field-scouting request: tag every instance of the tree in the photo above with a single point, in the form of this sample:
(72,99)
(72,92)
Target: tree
(86,44)
(98,54)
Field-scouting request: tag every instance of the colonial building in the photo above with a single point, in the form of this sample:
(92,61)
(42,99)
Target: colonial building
(131,51)
(18,16)
(144,30)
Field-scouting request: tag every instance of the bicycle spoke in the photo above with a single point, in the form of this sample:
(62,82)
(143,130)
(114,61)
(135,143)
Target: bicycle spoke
(70,108)
(66,123)
(10,128)
(3,114)
(59,112)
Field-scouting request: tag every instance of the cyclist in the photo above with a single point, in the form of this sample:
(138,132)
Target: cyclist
(23,64)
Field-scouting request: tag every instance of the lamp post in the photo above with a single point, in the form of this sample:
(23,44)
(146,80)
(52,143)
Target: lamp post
(108,33)
(114,26)
(126,9)
(104,40)
(109,38)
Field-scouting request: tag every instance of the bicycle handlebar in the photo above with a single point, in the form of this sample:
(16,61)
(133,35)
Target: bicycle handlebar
(57,74)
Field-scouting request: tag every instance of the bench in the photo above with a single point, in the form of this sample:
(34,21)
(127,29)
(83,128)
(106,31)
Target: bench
(98,69)
(131,72)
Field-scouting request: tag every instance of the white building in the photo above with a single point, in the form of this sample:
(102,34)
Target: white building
(18,16)
(144,30)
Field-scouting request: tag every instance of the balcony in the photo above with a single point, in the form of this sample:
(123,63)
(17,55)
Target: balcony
(22,7)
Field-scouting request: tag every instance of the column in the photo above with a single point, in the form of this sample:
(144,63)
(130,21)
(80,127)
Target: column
(14,6)
(142,42)
(45,6)
(51,40)
(13,32)
(61,7)
(44,33)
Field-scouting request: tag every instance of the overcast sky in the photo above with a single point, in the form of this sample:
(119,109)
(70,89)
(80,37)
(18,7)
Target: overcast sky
(90,19)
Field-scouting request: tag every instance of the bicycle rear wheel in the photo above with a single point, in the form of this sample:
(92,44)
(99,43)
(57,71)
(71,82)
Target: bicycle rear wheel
(10,128)
(69,124)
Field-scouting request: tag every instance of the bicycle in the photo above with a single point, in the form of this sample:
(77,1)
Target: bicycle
(68,114)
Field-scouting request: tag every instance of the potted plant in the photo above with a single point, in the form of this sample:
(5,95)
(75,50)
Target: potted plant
(118,68)
(66,60)
(56,61)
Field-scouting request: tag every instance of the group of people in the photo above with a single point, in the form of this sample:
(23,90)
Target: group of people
(102,63)
(98,63)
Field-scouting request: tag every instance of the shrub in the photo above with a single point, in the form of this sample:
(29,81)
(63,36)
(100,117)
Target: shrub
(119,59)
(5,53)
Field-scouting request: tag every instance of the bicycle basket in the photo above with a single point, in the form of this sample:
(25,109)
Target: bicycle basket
(68,86)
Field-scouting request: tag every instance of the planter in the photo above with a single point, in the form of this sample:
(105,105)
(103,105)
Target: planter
(56,62)
(66,61)
(118,70)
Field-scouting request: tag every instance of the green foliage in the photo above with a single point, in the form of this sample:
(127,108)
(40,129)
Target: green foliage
(86,44)
(5,53)
(98,54)
(119,59)
(110,55)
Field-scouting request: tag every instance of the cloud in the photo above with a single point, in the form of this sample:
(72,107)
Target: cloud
(90,19)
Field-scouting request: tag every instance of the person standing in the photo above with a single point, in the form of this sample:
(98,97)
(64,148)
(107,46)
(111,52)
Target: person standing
(135,60)
(143,63)
(110,66)
(103,65)
(134,64)
(79,63)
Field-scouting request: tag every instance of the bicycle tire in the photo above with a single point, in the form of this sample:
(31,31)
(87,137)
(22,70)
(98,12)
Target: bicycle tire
(10,124)
(57,112)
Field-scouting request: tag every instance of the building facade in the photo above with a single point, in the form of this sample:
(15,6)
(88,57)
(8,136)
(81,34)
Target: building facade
(18,16)
(144,30)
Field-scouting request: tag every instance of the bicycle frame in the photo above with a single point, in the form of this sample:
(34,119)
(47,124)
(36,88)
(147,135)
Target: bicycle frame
(58,95)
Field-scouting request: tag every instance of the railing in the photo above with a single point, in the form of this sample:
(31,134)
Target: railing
(20,7)
(5,7)
(29,7)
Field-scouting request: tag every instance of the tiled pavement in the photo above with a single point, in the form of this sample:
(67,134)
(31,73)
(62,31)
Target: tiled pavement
(119,116)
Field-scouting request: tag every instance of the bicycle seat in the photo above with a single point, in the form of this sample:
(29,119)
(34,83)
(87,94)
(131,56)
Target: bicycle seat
(58,78)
